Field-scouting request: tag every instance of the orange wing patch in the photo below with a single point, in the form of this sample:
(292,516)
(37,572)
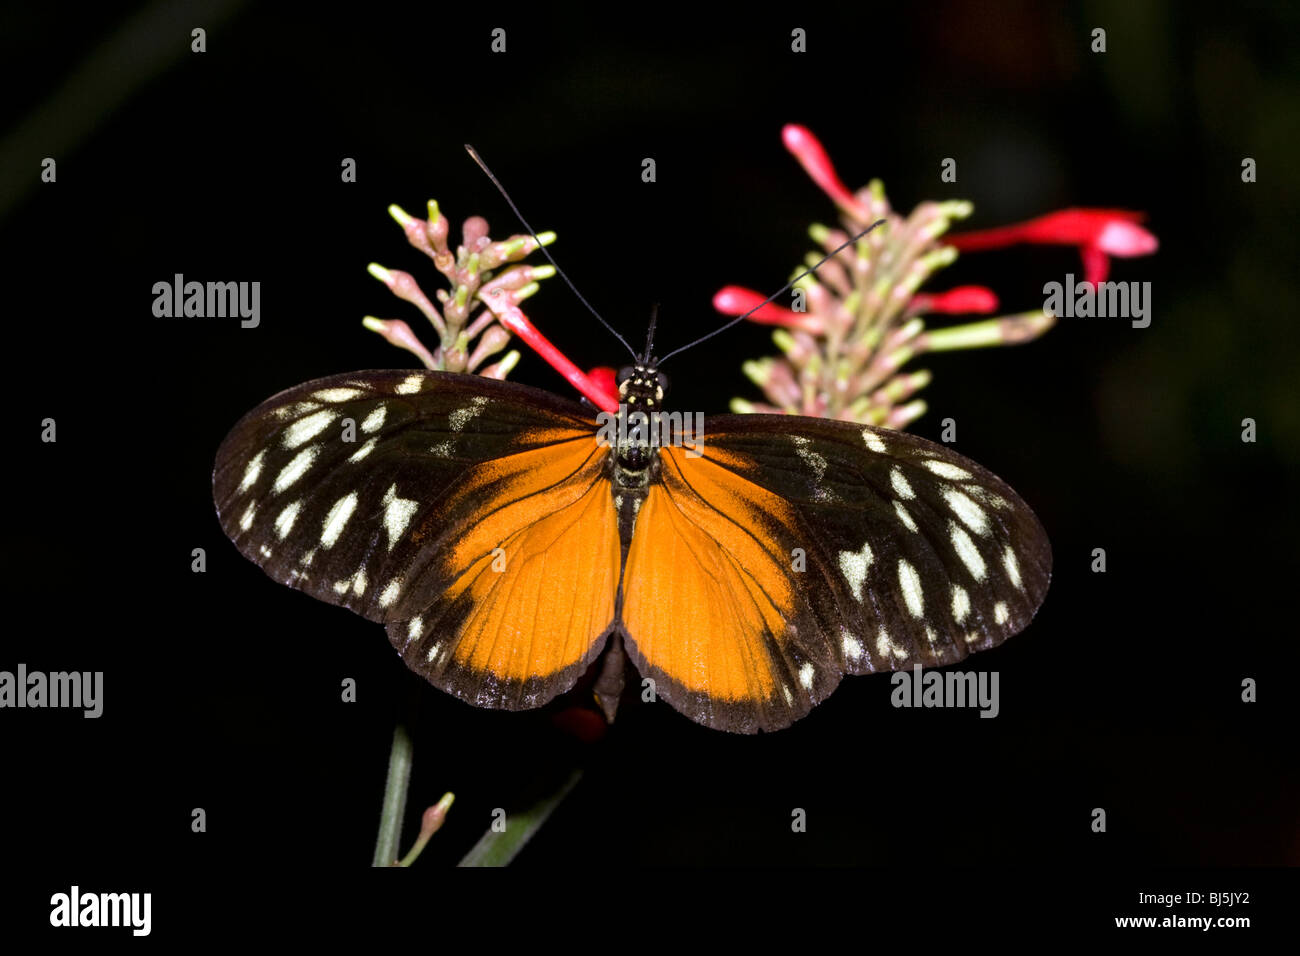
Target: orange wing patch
(708,596)
(533,579)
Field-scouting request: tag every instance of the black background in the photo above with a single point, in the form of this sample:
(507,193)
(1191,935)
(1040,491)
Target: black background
(223,689)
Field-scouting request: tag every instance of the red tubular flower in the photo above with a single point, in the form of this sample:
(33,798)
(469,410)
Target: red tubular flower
(735,300)
(604,379)
(958,301)
(808,150)
(1098,233)
(515,321)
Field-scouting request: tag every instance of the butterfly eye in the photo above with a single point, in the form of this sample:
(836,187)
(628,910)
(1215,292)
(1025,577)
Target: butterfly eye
(663,380)
(626,372)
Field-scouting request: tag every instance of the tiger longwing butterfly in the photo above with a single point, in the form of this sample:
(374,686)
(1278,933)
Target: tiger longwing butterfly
(504,543)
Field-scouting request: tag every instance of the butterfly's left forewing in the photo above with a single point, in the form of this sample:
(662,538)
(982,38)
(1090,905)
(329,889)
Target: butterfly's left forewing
(804,549)
(434,503)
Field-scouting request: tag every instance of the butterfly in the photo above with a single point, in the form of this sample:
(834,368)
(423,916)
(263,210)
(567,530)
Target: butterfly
(506,537)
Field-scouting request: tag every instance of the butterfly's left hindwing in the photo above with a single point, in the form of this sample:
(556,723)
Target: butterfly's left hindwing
(803,549)
(418,499)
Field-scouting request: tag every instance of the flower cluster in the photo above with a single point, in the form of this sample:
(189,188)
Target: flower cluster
(468,332)
(469,271)
(861,316)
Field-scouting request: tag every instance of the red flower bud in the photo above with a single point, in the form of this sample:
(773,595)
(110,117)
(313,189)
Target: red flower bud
(808,150)
(963,299)
(734,300)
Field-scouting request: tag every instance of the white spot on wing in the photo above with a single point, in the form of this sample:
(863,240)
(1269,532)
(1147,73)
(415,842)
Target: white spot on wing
(295,410)
(364,450)
(398,513)
(853,565)
(252,471)
(1000,612)
(904,516)
(409,385)
(910,584)
(246,521)
(375,420)
(285,519)
(461,416)
(852,646)
(1013,567)
(991,499)
(960,603)
(966,550)
(873,441)
(971,514)
(885,647)
(337,394)
(296,468)
(945,470)
(359,582)
(337,518)
(415,628)
(305,429)
(810,458)
(900,485)
(390,592)
(806,675)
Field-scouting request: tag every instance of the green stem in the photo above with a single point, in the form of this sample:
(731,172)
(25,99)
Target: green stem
(498,849)
(399,777)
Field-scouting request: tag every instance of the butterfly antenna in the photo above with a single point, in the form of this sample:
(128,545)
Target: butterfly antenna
(650,335)
(520,216)
(741,318)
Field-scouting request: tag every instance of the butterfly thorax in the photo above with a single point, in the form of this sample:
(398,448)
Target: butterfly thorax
(636,460)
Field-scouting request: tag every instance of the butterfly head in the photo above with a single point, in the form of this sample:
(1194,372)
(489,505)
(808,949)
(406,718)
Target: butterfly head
(642,386)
